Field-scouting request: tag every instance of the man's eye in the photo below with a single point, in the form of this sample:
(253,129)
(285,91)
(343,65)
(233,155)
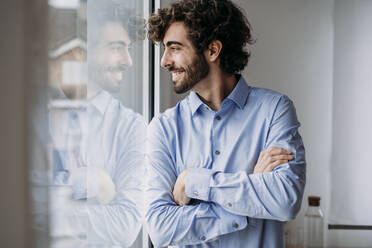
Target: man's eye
(116,48)
(113,48)
(175,48)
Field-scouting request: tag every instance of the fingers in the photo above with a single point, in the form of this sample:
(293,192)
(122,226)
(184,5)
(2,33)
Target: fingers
(274,150)
(271,158)
(281,157)
(179,195)
(268,157)
(275,164)
(181,200)
(274,153)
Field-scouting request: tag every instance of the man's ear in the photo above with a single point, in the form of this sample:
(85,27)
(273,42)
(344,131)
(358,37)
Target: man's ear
(213,50)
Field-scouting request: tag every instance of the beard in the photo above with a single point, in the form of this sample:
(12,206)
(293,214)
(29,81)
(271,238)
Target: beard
(108,78)
(194,73)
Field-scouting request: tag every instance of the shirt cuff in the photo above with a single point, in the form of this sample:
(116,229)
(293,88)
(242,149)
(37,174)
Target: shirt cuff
(231,222)
(197,183)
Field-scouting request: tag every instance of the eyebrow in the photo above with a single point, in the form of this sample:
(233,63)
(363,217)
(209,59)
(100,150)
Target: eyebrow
(121,43)
(169,43)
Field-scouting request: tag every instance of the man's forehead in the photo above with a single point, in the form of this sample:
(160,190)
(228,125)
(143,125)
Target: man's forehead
(176,33)
(114,31)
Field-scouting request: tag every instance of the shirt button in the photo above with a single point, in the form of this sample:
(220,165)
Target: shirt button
(235,225)
(196,193)
(218,117)
(229,204)
(217,152)
(203,238)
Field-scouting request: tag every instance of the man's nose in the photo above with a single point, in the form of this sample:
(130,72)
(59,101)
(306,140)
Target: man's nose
(126,59)
(166,62)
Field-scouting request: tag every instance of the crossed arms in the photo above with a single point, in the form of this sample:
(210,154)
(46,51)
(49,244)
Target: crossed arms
(223,200)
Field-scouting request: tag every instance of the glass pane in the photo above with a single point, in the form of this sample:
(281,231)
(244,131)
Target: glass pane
(96,128)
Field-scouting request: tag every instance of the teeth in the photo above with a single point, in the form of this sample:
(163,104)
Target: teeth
(176,74)
(117,75)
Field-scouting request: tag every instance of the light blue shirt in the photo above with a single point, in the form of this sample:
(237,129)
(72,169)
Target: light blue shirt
(231,207)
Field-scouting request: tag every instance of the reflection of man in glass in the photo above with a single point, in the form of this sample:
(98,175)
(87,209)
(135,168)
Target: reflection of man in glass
(226,164)
(110,56)
(110,159)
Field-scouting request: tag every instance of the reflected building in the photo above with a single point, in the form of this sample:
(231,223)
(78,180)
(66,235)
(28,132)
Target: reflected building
(67,51)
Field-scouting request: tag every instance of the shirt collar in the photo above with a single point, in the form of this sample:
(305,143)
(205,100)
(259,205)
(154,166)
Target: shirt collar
(100,101)
(194,102)
(240,93)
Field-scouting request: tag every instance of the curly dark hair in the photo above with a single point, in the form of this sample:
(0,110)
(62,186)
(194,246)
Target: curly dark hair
(206,21)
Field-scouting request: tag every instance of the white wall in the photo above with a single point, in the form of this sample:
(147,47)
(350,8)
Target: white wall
(352,111)
(351,199)
(294,55)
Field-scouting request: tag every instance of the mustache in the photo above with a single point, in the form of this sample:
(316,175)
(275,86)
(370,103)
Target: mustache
(170,69)
(120,68)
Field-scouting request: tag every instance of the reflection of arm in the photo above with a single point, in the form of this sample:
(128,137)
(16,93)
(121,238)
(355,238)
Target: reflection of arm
(119,222)
(169,224)
(272,195)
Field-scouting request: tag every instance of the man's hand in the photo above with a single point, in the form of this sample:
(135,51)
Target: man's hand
(179,194)
(271,158)
(92,183)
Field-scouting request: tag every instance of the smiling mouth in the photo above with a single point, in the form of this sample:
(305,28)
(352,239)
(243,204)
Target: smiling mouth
(176,73)
(117,68)
(116,72)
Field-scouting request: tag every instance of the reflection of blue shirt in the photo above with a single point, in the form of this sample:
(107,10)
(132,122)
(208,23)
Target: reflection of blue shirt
(114,141)
(231,207)
(116,144)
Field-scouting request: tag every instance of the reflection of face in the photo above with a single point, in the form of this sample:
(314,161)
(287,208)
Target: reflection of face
(111,56)
(180,58)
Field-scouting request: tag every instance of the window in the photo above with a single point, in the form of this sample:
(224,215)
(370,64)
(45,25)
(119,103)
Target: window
(90,190)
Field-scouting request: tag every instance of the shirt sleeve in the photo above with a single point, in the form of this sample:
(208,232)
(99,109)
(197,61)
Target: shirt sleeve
(271,195)
(167,223)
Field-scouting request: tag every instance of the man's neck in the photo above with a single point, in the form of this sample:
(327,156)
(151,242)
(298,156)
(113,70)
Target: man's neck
(92,89)
(215,88)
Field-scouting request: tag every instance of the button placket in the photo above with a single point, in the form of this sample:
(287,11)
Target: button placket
(217,128)
(216,151)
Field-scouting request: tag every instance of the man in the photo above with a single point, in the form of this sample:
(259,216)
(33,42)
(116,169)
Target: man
(226,164)
(107,167)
